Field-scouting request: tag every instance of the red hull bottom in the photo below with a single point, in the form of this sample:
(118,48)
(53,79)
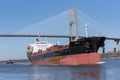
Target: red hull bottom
(77,59)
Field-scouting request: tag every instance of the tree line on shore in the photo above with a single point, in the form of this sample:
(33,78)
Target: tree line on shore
(111,54)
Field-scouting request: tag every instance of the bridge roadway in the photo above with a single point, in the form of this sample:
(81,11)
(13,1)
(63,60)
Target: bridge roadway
(49,35)
(32,35)
(35,35)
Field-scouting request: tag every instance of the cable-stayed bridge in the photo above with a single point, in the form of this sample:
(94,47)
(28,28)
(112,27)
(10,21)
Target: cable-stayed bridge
(57,25)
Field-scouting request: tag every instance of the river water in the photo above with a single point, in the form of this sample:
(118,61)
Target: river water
(110,70)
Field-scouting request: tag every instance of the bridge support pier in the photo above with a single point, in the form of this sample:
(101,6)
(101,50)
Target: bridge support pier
(116,45)
(103,50)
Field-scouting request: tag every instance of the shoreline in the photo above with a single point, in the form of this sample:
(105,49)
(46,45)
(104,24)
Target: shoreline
(14,60)
(110,55)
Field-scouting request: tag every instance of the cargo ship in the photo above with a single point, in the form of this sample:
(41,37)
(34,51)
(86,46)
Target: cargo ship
(79,51)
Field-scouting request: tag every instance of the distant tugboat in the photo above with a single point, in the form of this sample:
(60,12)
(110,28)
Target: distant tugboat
(10,62)
(79,51)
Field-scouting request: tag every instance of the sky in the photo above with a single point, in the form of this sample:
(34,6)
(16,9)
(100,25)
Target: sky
(21,16)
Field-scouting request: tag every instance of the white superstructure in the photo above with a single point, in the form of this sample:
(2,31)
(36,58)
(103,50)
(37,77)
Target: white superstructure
(38,45)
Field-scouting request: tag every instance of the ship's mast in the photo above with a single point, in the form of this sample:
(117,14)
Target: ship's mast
(73,21)
(86,30)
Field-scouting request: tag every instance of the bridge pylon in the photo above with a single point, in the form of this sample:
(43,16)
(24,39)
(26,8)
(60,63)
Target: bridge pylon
(73,20)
